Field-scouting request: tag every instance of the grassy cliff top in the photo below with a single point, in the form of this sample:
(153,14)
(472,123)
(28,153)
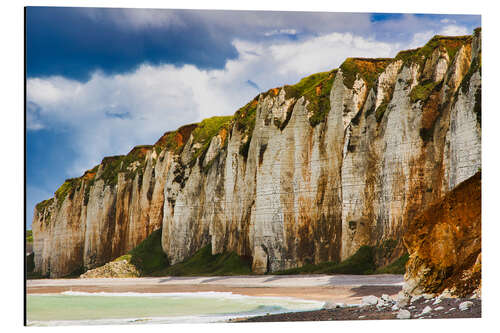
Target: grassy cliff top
(134,162)
(41,206)
(208,128)
(368,69)
(450,44)
(307,84)
(174,140)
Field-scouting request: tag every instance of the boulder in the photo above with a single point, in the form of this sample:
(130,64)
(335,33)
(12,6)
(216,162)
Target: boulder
(403,314)
(426,310)
(464,306)
(386,298)
(402,299)
(369,300)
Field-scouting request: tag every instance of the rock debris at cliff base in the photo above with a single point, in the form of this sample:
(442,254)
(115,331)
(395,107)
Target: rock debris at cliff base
(446,308)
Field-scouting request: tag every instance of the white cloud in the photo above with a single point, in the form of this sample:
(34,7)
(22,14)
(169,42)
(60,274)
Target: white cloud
(280,32)
(320,53)
(33,122)
(454,30)
(420,38)
(448,21)
(110,114)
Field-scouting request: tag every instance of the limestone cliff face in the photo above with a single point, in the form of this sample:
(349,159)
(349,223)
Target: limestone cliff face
(303,173)
(95,220)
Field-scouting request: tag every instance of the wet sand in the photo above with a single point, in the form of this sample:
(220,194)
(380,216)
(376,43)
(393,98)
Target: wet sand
(347,289)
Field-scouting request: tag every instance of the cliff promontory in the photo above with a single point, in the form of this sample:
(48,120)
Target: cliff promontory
(301,174)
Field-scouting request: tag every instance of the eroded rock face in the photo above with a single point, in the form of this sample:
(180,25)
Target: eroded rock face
(301,176)
(97,222)
(444,244)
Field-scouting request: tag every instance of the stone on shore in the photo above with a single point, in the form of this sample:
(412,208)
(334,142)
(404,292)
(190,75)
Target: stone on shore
(369,300)
(464,306)
(403,314)
(402,299)
(426,310)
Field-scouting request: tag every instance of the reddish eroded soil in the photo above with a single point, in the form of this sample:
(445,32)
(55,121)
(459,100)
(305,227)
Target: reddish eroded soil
(445,241)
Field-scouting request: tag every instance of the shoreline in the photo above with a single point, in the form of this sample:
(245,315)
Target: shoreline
(448,308)
(346,291)
(349,289)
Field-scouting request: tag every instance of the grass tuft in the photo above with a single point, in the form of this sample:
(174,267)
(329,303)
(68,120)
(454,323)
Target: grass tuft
(29,236)
(362,262)
(420,55)
(41,206)
(368,69)
(148,256)
(396,267)
(204,263)
(316,90)
(68,188)
(422,91)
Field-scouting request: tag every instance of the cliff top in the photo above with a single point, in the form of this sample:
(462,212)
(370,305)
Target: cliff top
(173,140)
(368,69)
(450,44)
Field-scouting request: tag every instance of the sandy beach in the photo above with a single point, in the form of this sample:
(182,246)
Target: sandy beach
(347,289)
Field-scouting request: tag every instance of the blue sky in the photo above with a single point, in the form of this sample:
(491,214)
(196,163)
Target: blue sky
(100,81)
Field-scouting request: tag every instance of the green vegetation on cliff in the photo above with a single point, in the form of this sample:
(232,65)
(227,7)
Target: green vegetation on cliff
(244,121)
(450,44)
(67,188)
(131,164)
(367,68)
(361,262)
(41,206)
(316,90)
(422,91)
(29,236)
(379,112)
(148,256)
(396,267)
(174,140)
(205,131)
(475,66)
(205,264)
(305,85)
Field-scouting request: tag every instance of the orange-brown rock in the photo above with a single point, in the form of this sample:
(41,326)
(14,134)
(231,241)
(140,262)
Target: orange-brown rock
(444,243)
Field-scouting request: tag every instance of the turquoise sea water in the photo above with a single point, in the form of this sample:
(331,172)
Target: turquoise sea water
(77,308)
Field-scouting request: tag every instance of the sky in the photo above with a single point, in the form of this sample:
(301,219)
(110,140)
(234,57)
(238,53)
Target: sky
(101,81)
